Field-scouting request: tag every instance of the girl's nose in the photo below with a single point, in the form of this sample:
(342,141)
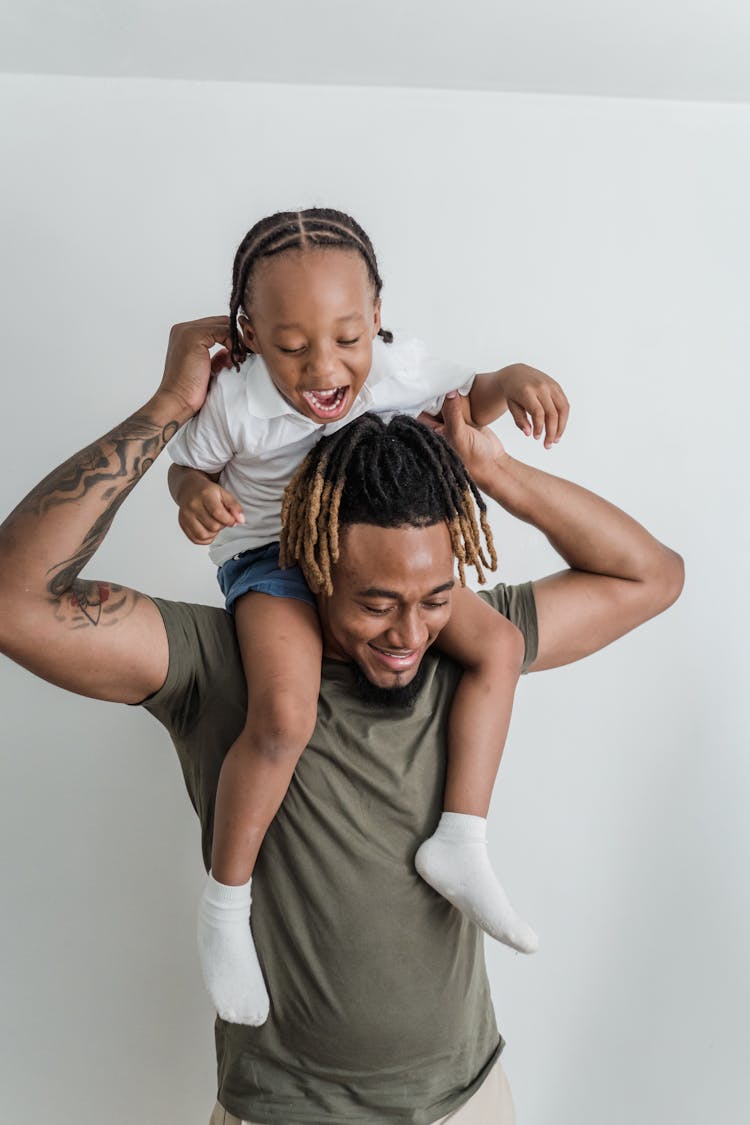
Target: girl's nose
(321,363)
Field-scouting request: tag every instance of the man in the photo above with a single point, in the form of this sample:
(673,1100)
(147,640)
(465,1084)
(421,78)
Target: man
(380,1002)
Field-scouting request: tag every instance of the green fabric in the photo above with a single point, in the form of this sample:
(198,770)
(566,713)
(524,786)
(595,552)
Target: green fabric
(380,1003)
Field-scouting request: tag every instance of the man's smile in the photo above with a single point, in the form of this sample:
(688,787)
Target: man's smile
(394,659)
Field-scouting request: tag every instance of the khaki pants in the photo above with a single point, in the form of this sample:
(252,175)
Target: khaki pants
(491,1105)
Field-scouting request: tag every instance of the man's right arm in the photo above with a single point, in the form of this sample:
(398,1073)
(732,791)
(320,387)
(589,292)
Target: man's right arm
(95,637)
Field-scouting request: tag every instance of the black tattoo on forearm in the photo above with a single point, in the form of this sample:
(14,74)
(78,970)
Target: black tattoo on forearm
(104,472)
(121,457)
(63,574)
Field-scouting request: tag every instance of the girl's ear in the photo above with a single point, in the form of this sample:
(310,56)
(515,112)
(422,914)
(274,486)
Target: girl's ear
(247,333)
(376,318)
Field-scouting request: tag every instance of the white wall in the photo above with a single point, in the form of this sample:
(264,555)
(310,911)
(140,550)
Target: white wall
(605,241)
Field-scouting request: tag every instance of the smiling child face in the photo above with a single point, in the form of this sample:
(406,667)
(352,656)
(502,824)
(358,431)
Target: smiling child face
(313,316)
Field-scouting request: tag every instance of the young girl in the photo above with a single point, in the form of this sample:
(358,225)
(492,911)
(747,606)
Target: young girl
(308,355)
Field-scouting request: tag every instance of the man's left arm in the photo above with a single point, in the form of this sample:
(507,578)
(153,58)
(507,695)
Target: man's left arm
(618,575)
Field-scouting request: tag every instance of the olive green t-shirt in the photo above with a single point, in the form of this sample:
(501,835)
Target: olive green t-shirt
(380,1004)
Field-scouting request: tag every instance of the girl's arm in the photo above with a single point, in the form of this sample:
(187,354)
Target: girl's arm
(205,507)
(538,404)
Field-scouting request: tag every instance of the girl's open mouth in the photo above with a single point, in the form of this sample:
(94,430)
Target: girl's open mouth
(326,404)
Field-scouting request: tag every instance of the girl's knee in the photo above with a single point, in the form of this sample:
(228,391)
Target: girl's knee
(282,731)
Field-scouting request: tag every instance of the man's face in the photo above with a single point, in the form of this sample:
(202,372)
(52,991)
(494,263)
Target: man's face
(392,591)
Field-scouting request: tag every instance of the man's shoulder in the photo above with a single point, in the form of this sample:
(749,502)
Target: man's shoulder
(202,644)
(183,619)
(517,603)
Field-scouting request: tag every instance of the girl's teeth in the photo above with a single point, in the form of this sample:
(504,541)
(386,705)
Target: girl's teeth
(326,401)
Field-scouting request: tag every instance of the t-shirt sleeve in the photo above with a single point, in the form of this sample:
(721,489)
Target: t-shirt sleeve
(440,376)
(201,640)
(418,380)
(518,605)
(205,441)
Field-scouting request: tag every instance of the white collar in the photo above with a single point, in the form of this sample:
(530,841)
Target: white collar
(263,399)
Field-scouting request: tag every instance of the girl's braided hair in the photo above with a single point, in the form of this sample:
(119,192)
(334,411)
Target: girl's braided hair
(320,227)
(390,474)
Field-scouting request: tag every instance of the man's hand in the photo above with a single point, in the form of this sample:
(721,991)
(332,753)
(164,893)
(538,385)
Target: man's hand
(189,365)
(205,507)
(478,447)
(537,403)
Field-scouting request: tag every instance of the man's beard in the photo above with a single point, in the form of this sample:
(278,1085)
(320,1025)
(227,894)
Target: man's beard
(386,698)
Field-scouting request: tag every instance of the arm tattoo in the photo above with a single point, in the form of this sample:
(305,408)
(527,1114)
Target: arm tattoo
(94,603)
(121,458)
(104,473)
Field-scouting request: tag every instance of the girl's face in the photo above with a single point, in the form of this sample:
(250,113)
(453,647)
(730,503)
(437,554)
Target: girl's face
(313,319)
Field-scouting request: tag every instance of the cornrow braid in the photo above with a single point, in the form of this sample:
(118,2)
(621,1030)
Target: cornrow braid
(294,230)
(391,474)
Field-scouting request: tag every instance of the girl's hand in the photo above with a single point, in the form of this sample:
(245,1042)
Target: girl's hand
(479,448)
(205,507)
(189,365)
(538,404)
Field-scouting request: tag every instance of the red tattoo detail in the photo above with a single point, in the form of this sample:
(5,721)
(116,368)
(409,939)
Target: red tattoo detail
(92,609)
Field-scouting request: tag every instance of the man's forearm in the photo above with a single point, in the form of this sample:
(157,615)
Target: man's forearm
(53,533)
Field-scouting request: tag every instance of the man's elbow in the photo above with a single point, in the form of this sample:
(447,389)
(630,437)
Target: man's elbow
(667,580)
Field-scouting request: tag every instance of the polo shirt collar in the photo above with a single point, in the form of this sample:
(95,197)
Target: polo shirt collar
(263,399)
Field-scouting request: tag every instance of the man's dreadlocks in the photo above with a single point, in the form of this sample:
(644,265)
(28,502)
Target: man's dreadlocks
(394,474)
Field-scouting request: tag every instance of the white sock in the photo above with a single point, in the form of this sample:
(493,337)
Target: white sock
(228,959)
(455,863)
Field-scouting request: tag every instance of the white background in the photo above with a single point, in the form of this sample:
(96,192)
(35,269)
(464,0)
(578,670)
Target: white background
(605,241)
(686,49)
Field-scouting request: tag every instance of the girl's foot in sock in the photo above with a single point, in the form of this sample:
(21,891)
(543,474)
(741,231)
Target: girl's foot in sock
(227,954)
(455,863)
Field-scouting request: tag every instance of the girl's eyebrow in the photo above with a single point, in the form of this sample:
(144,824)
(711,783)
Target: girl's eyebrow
(339,320)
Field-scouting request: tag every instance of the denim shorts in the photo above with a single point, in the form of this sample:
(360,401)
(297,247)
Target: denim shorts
(259,570)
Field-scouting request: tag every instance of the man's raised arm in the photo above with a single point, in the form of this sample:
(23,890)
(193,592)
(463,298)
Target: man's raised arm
(95,637)
(618,574)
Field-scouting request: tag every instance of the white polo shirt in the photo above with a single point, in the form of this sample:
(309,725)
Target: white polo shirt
(248,432)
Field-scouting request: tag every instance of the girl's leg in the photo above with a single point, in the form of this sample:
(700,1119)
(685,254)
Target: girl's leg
(281,653)
(454,860)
